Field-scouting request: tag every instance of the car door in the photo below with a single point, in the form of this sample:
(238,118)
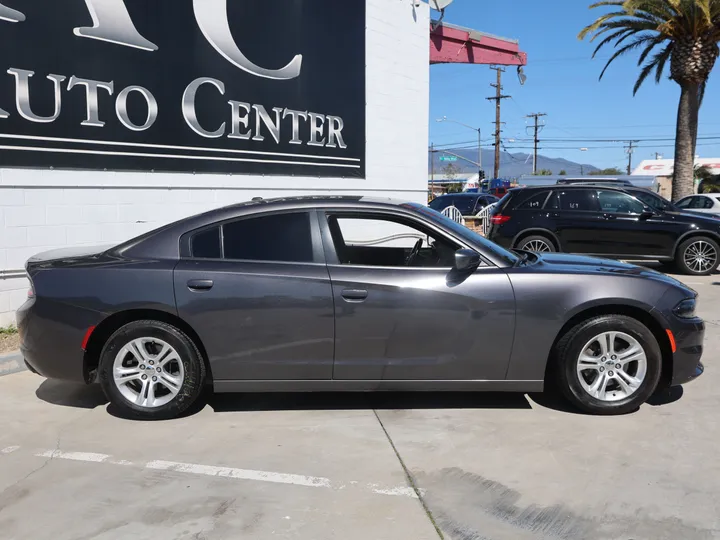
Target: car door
(631,231)
(257,292)
(404,318)
(577,220)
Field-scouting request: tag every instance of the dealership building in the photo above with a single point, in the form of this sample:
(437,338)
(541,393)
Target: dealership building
(116,118)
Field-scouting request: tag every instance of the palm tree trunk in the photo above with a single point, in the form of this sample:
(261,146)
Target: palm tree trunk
(685,139)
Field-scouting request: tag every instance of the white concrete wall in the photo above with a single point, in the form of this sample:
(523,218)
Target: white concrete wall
(45,209)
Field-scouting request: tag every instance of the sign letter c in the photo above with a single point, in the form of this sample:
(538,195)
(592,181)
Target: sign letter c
(212,18)
(10,15)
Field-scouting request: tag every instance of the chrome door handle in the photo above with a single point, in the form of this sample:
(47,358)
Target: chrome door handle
(200,284)
(354,295)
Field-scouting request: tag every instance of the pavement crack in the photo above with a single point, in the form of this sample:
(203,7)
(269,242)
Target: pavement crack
(410,479)
(34,471)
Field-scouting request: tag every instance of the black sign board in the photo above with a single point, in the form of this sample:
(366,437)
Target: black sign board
(222,86)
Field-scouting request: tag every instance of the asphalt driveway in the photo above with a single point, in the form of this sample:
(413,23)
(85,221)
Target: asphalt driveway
(415,466)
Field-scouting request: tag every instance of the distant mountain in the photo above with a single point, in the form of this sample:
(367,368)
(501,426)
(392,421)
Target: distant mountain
(511,165)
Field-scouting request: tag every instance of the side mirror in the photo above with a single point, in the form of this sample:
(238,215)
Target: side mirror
(466,260)
(647,213)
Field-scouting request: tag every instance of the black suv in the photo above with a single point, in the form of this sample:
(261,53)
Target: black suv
(610,221)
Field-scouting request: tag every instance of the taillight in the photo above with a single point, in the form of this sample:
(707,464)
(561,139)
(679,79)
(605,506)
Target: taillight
(31,291)
(499,219)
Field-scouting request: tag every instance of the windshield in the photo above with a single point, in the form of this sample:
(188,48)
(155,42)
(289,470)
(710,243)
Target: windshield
(465,233)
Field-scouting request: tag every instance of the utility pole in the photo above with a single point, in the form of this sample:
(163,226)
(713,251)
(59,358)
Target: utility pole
(537,126)
(497,98)
(630,149)
(432,169)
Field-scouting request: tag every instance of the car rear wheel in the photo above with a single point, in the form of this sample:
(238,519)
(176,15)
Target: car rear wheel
(698,256)
(608,364)
(537,243)
(151,370)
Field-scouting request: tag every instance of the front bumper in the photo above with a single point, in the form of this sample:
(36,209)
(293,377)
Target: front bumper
(689,336)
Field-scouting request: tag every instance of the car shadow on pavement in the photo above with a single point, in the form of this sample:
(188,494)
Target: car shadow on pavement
(70,394)
(554,400)
(381,400)
(666,396)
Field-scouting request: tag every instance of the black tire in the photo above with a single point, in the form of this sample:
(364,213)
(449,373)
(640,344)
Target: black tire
(187,352)
(536,240)
(703,244)
(571,345)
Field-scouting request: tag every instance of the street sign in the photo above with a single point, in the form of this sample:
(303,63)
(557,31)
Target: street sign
(448,158)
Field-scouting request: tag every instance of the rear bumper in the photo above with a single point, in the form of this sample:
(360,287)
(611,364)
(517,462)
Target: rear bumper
(51,346)
(689,336)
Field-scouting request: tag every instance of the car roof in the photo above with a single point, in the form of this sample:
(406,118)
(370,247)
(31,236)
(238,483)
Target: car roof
(159,241)
(461,195)
(565,187)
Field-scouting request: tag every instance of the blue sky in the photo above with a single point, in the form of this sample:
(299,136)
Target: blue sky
(562,82)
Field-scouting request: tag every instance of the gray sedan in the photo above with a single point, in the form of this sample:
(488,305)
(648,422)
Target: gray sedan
(350,294)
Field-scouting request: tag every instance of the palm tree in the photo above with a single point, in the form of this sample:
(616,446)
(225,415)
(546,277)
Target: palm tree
(685,32)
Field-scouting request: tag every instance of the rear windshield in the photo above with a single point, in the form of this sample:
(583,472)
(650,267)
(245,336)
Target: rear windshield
(464,203)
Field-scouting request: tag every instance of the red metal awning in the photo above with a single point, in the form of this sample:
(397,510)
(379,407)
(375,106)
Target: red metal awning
(451,44)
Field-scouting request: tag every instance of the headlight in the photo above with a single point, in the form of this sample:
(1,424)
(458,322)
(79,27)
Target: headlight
(686,309)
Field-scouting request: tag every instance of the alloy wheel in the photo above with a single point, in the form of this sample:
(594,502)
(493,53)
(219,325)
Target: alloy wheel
(537,246)
(148,372)
(612,366)
(701,256)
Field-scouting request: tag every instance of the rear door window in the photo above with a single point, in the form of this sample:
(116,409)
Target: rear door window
(535,202)
(272,238)
(579,200)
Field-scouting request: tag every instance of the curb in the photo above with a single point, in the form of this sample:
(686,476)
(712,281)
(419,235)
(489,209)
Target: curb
(11,363)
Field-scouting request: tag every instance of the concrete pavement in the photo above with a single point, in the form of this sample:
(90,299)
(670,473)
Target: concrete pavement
(482,466)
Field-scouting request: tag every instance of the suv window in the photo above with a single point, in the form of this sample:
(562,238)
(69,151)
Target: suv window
(579,200)
(617,202)
(651,199)
(707,202)
(206,244)
(276,237)
(534,202)
(376,240)
(696,203)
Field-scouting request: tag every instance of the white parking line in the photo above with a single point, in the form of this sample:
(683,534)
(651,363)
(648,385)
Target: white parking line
(242,474)
(222,472)
(74,456)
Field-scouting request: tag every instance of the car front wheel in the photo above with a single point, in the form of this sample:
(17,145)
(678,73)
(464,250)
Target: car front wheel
(151,370)
(698,256)
(608,364)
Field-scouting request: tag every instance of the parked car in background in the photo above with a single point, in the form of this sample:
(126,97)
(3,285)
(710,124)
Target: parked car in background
(606,221)
(469,204)
(350,294)
(706,204)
